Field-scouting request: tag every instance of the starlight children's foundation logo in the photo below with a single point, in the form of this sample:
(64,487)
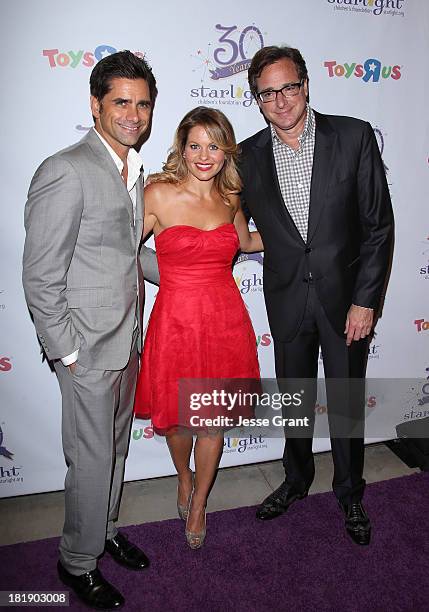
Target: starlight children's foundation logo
(394,8)
(418,400)
(241,445)
(374,350)
(247,276)
(371,70)
(79,57)
(222,67)
(8,473)
(249,280)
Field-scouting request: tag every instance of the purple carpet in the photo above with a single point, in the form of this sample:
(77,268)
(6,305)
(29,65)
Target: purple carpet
(301,561)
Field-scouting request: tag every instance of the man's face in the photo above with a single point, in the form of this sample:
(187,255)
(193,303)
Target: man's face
(123,115)
(286,114)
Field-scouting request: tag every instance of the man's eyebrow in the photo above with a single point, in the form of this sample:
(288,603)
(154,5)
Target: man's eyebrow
(121,100)
(281,87)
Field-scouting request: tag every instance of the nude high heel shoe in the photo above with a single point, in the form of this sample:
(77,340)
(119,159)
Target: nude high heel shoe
(195,539)
(183,511)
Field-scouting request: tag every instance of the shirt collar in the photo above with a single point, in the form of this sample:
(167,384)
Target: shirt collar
(309,129)
(134,161)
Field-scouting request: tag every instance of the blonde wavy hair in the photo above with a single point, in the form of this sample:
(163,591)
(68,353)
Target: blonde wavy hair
(220,130)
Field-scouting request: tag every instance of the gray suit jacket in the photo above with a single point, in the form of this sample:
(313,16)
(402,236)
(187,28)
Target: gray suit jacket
(82,256)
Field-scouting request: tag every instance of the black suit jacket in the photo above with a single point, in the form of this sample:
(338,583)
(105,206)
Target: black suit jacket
(350,226)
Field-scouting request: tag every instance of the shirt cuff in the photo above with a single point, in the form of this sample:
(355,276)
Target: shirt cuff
(69,359)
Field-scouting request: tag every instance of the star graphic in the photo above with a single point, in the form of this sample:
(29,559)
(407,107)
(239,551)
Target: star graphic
(105,53)
(204,62)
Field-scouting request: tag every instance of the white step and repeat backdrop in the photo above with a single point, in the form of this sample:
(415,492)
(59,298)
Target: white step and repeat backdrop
(366,58)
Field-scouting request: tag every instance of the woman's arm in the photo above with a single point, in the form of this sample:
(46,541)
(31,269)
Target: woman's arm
(150,208)
(250,242)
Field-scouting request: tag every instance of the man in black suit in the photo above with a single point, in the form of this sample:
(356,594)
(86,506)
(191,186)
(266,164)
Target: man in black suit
(316,189)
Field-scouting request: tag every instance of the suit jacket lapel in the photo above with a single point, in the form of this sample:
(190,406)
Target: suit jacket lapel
(267,169)
(324,152)
(100,150)
(138,221)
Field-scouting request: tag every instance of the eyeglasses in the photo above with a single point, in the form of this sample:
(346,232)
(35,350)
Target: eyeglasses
(288,91)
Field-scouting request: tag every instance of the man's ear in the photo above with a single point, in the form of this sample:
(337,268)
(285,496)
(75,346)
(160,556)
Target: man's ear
(95,106)
(306,90)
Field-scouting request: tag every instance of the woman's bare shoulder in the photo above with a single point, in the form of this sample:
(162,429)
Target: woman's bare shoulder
(234,202)
(158,190)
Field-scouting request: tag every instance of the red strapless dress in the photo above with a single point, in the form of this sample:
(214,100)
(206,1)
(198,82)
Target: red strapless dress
(199,327)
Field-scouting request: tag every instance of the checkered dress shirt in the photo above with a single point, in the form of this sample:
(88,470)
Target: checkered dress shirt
(294,170)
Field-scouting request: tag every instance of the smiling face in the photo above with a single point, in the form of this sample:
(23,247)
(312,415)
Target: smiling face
(123,114)
(286,114)
(204,159)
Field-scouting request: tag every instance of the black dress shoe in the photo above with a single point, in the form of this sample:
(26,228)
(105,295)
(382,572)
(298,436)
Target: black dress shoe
(92,589)
(357,523)
(126,554)
(279,501)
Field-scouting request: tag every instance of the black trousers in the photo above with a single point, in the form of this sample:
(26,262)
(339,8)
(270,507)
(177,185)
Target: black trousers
(345,369)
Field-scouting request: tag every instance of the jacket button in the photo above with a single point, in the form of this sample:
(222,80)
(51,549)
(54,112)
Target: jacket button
(308,250)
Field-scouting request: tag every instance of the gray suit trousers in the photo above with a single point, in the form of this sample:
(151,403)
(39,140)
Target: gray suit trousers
(96,423)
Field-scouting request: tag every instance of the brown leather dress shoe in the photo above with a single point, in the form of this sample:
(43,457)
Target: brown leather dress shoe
(126,554)
(92,589)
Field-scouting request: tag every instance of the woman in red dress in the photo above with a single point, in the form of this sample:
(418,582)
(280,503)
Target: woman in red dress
(199,326)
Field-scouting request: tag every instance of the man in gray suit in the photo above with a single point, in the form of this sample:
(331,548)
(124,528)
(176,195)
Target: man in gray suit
(84,286)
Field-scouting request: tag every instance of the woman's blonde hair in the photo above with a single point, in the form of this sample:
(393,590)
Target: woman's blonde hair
(221,132)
